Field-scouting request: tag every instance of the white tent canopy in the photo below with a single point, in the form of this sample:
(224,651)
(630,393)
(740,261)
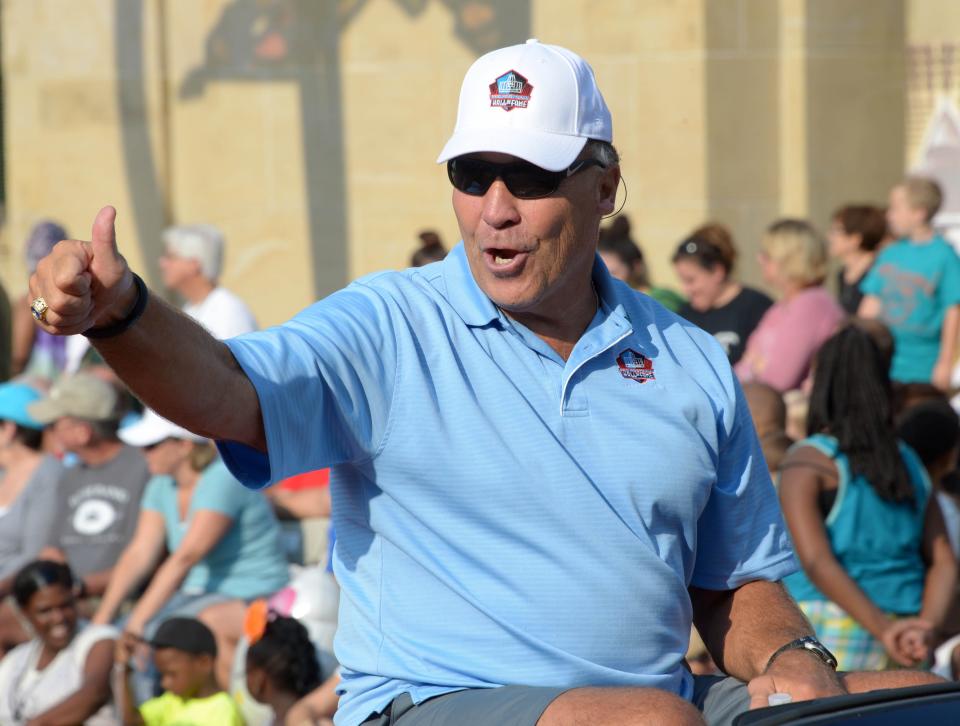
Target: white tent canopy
(939,158)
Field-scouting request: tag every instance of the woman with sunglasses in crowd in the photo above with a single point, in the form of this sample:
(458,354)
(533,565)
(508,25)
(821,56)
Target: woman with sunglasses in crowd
(222,539)
(62,675)
(719,304)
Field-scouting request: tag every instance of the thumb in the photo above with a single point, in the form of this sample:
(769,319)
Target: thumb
(759,689)
(103,239)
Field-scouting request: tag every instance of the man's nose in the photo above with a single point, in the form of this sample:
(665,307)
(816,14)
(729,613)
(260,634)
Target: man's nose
(500,207)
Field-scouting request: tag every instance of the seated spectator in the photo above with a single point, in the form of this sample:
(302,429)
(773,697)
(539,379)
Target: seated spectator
(719,304)
(96,511)
(318,706)
(932,429)
(867,531)
(781,349)
(302,504)
(624,258)
(856,232)
(304,496)
(222,539)
(62,676)
(28,489)
(185,652)
(281,665)
(191,265)
(769,413)
(914,287)
(880,335)
(35,351)
(431,249)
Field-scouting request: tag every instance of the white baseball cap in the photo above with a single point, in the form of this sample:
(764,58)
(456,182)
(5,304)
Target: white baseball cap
(534,101)
(152,428)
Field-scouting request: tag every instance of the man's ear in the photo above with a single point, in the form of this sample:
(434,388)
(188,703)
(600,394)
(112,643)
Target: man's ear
(607,185)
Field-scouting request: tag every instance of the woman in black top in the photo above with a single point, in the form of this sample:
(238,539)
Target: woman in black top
(857,230)
(717,303)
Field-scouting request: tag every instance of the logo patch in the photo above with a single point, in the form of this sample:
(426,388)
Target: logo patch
(510,91)
(635,366)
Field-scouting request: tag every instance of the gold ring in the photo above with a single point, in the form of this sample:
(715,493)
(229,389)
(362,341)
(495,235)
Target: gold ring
(39,309)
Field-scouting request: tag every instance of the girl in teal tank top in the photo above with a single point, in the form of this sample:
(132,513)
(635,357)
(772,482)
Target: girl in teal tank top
(867,531)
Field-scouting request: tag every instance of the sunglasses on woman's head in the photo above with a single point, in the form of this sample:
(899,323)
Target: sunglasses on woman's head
(522,179)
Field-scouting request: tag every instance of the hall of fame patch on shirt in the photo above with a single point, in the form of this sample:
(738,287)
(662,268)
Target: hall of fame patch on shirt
(635,366)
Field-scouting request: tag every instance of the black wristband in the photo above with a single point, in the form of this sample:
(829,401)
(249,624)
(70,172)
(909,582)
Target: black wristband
(109,331)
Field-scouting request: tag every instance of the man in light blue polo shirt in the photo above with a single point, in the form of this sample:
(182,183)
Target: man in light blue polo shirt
(540,476)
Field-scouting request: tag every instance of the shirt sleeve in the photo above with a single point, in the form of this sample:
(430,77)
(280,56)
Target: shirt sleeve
(38,519)
(219,491)
(153,494)
(741,535)
(325,382)
(795,340)
(949,289)
(88,637)
(872,283)
(155,710)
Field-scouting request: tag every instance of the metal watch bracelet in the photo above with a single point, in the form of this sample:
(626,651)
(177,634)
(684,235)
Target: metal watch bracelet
(808,643)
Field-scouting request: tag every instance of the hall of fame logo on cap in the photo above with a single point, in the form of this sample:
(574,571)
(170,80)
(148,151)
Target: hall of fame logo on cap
(635,366)
(510,91)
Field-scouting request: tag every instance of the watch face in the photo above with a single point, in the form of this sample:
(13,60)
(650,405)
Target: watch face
(815,646)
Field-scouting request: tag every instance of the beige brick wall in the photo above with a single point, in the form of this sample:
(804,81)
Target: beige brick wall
(308,129)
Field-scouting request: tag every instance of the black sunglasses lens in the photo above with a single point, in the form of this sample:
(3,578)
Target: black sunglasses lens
(526,181)
(471,176)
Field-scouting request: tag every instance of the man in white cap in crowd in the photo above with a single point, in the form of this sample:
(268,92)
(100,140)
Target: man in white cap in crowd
(98,498)
(541,478)
(191,265)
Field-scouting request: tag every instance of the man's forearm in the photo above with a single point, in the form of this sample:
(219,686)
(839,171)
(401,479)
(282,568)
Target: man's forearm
(742,628)
(177,368)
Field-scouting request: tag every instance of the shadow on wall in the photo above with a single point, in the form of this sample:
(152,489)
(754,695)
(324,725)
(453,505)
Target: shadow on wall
(263,41)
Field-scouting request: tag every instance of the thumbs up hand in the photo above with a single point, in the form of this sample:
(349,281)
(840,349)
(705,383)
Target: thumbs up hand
(81,285)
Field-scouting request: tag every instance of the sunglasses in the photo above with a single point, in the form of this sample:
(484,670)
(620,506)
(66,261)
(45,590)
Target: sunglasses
(523,179)
(155,444)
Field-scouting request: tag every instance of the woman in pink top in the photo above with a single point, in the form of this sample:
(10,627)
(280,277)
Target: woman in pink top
(793,258)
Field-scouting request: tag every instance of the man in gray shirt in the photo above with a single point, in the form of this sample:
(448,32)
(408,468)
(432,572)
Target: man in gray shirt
(99,497)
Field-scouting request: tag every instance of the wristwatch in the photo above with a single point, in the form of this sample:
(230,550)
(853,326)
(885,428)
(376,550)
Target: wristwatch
(808,643)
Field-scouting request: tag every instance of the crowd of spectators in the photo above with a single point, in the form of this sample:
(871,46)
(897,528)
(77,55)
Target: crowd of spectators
(124,538)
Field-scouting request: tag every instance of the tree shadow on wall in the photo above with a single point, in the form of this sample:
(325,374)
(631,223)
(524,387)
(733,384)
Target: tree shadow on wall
(264,41)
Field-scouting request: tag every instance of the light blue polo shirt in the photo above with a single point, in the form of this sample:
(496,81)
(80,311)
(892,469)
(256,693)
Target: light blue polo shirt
(504,516)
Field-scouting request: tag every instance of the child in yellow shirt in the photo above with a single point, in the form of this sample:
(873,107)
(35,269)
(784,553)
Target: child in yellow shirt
(184,651)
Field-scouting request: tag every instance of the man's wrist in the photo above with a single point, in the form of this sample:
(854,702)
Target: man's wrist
(115,328)
(124,303)
(809,645)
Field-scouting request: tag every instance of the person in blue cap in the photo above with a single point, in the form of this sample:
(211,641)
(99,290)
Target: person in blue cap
(28,495)
(28,484)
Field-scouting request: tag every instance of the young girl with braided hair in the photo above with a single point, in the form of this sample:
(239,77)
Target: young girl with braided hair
(282,665)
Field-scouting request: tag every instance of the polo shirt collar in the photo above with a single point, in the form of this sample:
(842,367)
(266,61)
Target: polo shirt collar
(477,310)
(463,292)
